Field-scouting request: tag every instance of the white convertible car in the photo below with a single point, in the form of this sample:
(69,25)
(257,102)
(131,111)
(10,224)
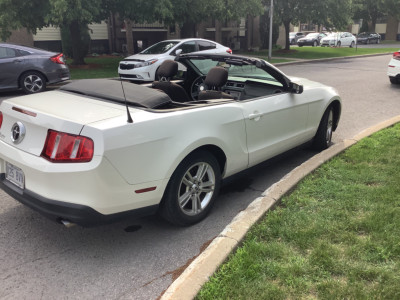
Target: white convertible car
(97,150)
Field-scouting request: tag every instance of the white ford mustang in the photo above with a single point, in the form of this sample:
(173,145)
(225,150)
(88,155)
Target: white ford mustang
(98,150)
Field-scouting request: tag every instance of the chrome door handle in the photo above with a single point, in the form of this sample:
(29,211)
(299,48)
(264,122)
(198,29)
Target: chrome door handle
(255,116)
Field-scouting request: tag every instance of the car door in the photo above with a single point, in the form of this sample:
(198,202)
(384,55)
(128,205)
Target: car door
(274,124)
(11,66)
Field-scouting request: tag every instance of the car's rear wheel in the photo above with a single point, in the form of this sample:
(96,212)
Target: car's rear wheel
(192,189)
(315,44)
(394,80)
(323,137)
(32,82)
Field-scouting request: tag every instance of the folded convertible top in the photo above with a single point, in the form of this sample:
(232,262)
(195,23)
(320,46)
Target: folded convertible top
(111,90)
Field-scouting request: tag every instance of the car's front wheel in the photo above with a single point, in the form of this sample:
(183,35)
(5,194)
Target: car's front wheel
(315,44)
(338,44)
(32,82)
(352,44)
(323,137)
(192,189)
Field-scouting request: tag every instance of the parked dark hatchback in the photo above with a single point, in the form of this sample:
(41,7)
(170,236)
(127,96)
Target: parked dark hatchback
(30,69)
(368,38)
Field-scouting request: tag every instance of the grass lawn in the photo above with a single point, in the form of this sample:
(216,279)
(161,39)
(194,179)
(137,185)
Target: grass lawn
(319,52)
(336,236)
(96,67)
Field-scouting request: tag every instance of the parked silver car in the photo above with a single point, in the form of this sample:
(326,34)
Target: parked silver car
(30,69)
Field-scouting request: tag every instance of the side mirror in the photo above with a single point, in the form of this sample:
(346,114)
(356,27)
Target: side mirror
(296,88)
(178,52)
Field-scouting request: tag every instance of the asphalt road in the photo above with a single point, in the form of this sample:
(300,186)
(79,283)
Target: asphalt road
(138,259)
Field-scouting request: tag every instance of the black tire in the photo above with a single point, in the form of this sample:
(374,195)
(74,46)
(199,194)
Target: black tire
(185,191)
(315,44)
(323,137)
(32,82)
(394,80)
(338,44)
(352,44)
(300,45)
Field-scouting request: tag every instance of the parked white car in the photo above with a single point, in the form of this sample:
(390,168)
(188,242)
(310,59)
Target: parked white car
(144,65)
(339,39)
(91,152)
(394,68)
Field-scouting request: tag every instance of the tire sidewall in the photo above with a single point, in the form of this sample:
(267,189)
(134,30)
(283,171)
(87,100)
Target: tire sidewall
(169,206)
(320,138)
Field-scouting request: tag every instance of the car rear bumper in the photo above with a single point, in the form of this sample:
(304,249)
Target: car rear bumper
(59,211)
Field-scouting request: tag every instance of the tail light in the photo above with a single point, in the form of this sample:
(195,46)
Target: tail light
(1,119)
(58,59)
(396,55)
(61,147)
(229,51)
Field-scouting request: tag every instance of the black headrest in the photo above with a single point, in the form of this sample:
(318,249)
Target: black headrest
(216,77)
(168,69)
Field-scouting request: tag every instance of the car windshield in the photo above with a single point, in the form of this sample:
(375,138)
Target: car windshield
(160,47)
(312,35)
(240,71)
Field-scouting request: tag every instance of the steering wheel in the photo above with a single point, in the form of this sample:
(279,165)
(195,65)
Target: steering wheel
(198,85)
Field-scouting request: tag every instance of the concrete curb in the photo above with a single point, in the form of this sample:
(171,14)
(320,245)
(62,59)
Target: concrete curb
(305,61)
(188,284)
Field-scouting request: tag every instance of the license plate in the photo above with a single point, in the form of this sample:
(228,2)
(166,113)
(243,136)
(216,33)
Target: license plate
(15,175)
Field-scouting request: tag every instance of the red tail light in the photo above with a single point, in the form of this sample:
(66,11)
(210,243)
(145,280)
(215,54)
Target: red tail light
(58,59)
(396,55)
(229,51)
(1,119)
(61,147)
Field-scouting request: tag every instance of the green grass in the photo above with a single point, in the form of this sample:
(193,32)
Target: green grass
(97,67)
(336,236)
(319,52)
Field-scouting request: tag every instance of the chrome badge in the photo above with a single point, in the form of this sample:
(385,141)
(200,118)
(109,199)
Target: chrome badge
(18,132)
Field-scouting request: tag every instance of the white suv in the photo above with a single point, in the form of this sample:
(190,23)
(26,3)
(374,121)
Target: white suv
(143,66)
(394,68)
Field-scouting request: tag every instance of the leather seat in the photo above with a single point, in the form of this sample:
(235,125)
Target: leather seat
(167,70)
(216,78)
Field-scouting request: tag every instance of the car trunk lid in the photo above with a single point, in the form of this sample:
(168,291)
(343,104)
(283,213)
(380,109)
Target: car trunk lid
(60,111)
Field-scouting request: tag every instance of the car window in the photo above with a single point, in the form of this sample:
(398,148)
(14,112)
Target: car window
(188,47)
(7,52)
(236,72)
(204,45)
(24,53)
(160,47)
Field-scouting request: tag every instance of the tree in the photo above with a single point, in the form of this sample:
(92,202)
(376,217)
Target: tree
(371,10)
(140,11)
(333,14)
(75,15)
(288,12)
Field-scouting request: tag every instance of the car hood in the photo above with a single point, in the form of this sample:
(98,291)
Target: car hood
(329,38)
(306,83)
(145,57)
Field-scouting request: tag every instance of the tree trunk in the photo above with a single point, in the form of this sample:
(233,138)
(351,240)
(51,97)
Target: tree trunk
(75,32)
(286,24)
(218,32)
(129,36)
